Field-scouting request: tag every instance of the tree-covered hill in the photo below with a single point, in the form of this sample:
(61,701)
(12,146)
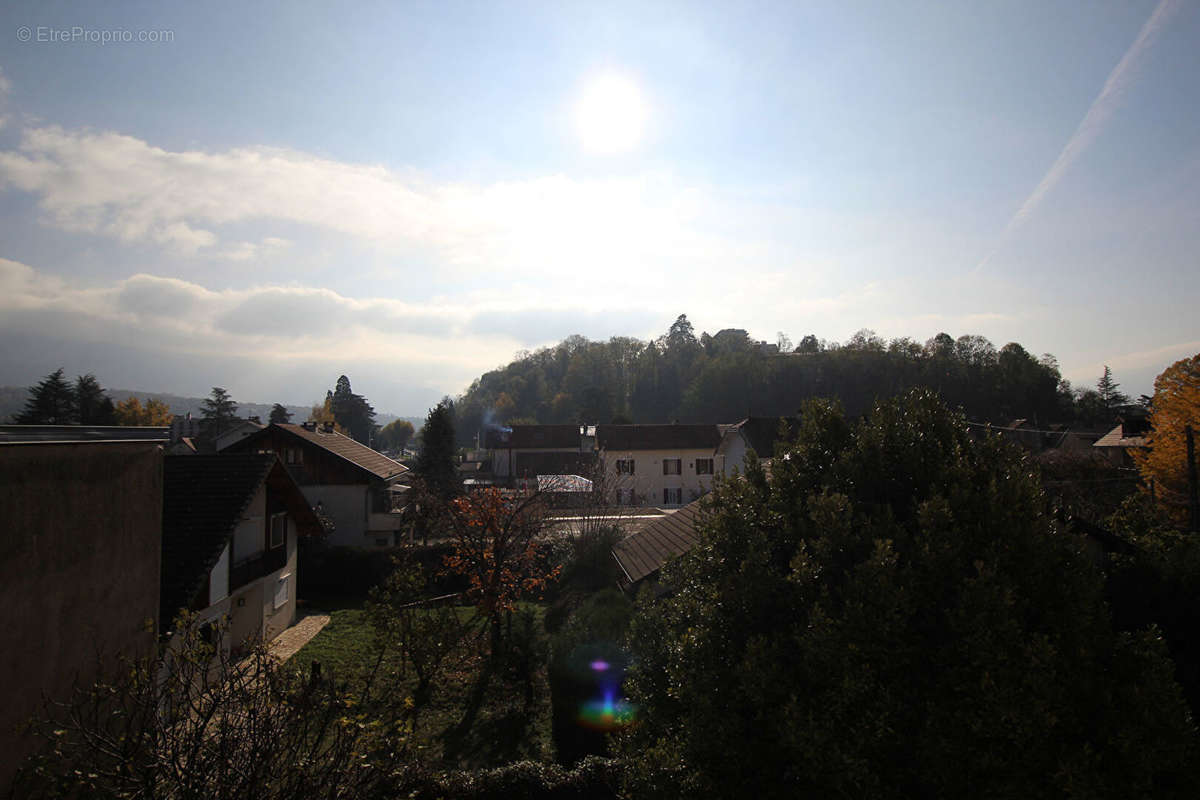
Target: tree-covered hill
(728,376)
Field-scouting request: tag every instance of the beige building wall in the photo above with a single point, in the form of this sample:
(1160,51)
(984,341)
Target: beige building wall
(648,481)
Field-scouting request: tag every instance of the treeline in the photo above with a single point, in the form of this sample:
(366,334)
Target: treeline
(727,376)
(58,401)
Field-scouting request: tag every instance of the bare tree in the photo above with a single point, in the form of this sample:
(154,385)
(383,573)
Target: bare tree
(193,721)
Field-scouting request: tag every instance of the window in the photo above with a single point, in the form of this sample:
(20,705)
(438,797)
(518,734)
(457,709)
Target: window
(672,466)
(281,590)
(624,466)
(294,455)
(704,466)
(672,497)
(278,530)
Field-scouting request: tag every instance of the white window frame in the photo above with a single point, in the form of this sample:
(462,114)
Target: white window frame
(271,545)
(282,590)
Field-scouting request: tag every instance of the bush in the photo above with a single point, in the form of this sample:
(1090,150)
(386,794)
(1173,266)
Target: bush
(592,779)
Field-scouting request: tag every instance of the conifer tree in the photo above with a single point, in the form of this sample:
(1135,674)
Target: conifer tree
(51,402)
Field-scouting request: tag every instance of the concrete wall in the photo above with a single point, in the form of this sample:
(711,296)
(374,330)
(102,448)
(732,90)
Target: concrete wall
(347,507)
(80,552)
(731,454)
(249,538)
(218,579)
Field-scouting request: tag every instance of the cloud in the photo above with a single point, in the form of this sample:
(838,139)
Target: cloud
(179,319)
(538,326)
(1097,116)
(1160,357)
(553,229)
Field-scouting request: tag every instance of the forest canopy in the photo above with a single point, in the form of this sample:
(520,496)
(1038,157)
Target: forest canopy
(728,376)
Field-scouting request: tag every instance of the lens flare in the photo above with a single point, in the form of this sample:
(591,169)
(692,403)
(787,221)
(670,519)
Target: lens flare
(607,713)
(600,666)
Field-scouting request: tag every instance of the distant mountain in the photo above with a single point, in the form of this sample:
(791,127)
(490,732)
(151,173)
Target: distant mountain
(12,402)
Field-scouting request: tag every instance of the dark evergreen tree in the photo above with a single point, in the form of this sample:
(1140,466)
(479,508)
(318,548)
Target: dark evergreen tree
(51,402)
(219,410)
(93,406)
(1110,391)
(352,411)
(436,465)
(280,415)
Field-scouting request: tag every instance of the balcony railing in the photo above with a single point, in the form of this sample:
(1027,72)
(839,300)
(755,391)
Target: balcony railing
(254,568)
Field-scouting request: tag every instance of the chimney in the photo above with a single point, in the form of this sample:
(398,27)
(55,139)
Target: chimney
(255,420)
(309,426)
(326,427)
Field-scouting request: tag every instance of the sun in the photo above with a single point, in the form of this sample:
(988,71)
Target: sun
(610,114)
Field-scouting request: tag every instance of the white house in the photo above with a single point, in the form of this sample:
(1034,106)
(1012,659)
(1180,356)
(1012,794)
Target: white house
(230,528)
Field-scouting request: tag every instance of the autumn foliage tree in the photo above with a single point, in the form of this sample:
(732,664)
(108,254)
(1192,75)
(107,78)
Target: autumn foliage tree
(498,548)
(130,411)
(1176,405)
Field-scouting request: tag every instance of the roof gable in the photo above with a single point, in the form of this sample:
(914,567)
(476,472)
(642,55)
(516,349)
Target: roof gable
(374,463)
(204,498)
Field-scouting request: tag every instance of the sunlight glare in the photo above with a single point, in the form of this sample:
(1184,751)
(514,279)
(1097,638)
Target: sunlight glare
(610,115)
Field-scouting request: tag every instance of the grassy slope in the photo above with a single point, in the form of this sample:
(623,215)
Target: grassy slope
(503,731)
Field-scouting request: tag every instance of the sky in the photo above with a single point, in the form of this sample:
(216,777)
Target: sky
(266,196)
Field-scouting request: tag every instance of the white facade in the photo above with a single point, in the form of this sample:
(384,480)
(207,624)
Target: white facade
(252,610)
(667,478)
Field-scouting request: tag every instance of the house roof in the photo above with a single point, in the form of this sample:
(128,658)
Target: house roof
(646,551)
(534,436)
(761,432)
(204,499)
(344,447)
(1118,437)
(658,437)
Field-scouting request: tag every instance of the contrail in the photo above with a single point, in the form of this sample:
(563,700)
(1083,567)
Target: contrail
(1119,81)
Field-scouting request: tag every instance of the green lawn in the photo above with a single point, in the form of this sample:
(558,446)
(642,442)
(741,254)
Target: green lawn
(503,730)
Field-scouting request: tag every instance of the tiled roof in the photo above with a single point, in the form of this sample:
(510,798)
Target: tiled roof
(204,498)
(646,551)
(657,437)
(360,455)
(1117,438)
(534,436)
